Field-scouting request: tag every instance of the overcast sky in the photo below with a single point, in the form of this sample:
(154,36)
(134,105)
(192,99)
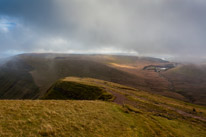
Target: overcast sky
(142,27)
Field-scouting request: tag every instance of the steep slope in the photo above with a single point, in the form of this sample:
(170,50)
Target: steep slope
(16,82)
(64,89)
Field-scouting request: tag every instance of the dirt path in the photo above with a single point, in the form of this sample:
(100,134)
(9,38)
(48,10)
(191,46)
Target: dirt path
(185,113)
(121,99)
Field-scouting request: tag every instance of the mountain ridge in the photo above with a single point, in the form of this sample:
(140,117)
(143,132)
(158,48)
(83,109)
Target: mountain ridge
(34,73)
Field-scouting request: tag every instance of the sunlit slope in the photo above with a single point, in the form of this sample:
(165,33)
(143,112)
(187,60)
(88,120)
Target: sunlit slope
(130,113)
(132,98)
(67,118)
(86,118)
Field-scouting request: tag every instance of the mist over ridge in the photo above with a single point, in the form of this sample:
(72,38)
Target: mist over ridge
(156,28)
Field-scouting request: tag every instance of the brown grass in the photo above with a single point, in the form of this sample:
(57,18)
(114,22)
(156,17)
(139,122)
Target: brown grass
(87,118)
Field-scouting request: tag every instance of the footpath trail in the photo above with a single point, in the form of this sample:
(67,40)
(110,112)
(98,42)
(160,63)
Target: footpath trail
(122,97)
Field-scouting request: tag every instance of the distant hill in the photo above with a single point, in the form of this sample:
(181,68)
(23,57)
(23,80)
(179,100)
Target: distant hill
(29,76)
(190,81)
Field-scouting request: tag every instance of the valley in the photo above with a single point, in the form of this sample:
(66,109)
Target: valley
(101,95)
(37,72)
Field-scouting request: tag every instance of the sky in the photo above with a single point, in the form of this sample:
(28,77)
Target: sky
(164,28)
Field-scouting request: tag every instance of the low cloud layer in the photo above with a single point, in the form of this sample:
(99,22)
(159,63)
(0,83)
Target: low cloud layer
(158,27)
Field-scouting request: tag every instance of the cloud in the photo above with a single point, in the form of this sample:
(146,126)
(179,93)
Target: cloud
(158,27)
(6,25)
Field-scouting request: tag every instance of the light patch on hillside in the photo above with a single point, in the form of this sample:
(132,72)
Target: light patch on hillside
(123,66)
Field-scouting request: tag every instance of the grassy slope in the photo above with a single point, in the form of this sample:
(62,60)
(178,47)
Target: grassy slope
(77,91)
(190,81)
(138,113)
(86,118)
(139,98)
